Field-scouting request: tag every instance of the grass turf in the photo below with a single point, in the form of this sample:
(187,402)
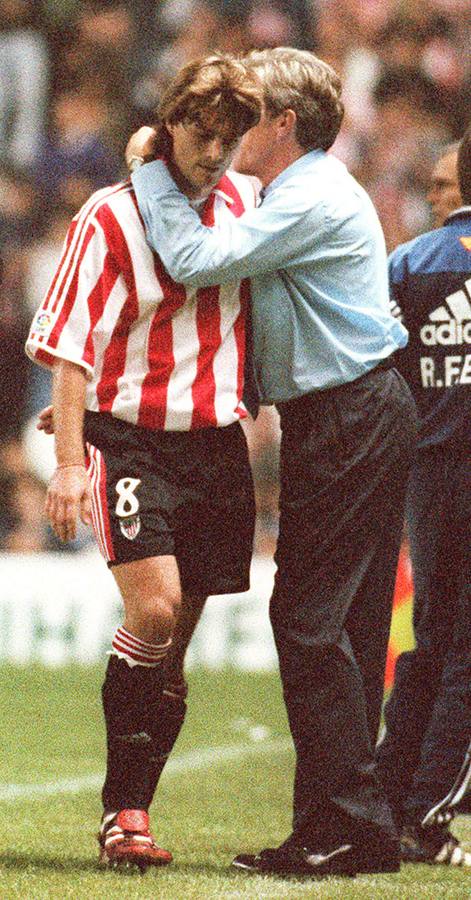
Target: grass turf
(210,805)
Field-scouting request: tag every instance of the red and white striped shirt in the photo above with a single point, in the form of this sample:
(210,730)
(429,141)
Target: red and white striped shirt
(156,354)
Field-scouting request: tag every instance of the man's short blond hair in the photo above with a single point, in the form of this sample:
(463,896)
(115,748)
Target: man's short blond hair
(299,80)
(219,87)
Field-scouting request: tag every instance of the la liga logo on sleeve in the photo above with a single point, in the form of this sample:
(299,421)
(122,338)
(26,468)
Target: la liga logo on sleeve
(43,323)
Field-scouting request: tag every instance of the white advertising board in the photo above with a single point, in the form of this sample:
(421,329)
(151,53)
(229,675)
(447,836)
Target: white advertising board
(60,608)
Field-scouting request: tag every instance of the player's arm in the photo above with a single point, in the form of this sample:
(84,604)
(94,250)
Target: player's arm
(60,338)
(260,241)
(69,493)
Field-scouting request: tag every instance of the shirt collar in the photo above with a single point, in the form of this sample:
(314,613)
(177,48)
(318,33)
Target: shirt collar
(295,168)
(462,212)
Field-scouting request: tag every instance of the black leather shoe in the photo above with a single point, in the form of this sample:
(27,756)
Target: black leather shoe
(283,861)
(368,861)
(342,860)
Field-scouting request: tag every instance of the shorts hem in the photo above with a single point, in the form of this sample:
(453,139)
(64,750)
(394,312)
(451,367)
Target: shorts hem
(233,587)
(149,555)
(241,586)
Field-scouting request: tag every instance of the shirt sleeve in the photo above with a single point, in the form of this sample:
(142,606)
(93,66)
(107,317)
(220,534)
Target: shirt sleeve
(64,323)
(262,240)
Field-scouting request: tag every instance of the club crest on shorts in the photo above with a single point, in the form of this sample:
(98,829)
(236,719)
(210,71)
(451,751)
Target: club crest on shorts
(130,527)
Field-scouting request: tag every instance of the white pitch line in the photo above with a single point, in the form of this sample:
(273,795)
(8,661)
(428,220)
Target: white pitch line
(194,759)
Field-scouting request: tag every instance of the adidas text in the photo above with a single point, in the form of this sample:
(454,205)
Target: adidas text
(447,333)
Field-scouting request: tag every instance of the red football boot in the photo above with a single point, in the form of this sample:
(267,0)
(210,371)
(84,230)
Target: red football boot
(125,840)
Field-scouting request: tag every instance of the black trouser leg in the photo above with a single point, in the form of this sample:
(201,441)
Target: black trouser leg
(345,456)
(428,716)
(368,623)
(334,777)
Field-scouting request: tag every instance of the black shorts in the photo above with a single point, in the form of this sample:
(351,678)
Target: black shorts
(186,494)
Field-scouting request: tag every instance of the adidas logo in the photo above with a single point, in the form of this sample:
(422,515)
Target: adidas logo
(450,324)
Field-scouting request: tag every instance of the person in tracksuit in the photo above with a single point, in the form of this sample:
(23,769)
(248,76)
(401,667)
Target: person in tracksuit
(423,758)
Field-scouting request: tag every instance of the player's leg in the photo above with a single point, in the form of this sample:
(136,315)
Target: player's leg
(213,541)
(132,704)
(418,671)
(169,722)
(212,525)
(132,691)
(444,766)
(134,533)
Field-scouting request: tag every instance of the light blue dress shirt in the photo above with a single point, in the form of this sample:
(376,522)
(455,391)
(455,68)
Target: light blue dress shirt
(316,258)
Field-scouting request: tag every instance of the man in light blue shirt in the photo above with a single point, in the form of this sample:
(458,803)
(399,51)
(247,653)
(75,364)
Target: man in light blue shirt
(323,339)
(318,270)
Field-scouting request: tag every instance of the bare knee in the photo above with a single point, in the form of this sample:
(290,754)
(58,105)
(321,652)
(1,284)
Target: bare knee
(152,617)
(152,597)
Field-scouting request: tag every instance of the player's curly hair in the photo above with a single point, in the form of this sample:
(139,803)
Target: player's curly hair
(219,84)
(299,80)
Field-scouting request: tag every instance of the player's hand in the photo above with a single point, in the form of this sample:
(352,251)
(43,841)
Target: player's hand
(141,143)
(68,497)
(45,420)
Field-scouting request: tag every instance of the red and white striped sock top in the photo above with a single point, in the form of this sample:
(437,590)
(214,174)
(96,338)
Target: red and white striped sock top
(137,652)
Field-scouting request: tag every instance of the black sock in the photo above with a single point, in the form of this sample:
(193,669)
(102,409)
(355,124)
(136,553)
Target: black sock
(165,730)
(132,698)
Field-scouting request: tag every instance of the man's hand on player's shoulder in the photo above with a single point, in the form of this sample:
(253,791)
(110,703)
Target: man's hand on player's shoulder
(141,147)
(46,420)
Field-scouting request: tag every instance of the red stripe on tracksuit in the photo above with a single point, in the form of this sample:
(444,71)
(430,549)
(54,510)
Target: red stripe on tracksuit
(161,359)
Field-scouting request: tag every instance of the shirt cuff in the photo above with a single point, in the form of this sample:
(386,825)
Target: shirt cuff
(152,180)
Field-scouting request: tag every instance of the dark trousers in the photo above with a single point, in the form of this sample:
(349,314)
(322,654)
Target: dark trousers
(428,716)
(345,458)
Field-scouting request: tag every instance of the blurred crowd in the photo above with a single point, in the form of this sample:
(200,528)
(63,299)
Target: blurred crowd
(77,76)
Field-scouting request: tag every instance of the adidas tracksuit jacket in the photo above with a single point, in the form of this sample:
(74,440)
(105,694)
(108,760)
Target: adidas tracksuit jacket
(422,757)
(430,282)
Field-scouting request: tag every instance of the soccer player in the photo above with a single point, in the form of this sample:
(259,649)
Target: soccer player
(148,380)
(323,339)
(423,757)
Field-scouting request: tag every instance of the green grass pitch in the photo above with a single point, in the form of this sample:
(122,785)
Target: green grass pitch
(227,790)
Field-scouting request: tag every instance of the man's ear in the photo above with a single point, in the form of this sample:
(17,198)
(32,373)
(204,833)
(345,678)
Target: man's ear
(287,123)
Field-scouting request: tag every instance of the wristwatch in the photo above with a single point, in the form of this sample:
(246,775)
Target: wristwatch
(135,162)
